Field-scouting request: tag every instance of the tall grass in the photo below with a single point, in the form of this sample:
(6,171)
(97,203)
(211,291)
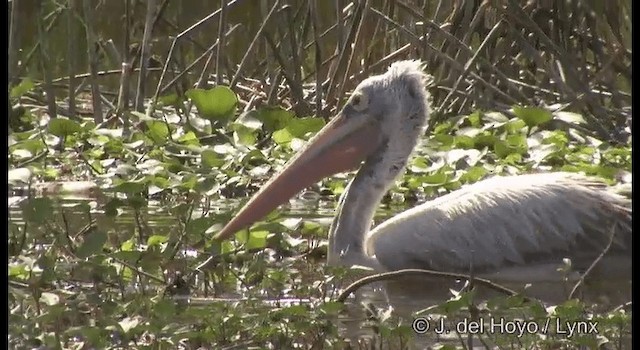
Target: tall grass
(571,55)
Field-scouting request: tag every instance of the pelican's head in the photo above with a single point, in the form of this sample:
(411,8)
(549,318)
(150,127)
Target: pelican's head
(395,101)
(385,115)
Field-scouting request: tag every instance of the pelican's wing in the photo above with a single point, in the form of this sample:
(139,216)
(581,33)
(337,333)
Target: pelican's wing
(506,221)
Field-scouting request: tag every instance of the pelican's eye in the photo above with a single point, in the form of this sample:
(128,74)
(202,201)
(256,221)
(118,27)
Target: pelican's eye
(359,101)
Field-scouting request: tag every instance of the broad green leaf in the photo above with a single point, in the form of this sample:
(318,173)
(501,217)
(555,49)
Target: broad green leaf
(25,86)
(558,138)
(419,165)
(532,116)
(446,141)
(62,127)
(130,187)
(443,128)
(501,149)
(282,136)
(513,158)
(156,240)
(197,227)
(211,159)
(273,118)
(189,139)
(92,244)
(158,181)
(295,310)
(18,270)
(464,142)
(257,240)
(253,157)
(34,146)
(518,142)
(473,174)
(475,119)
(189,182)
(98,141)
(244,135)
(297,128)
(572,309)
(227,247)
(515,126)
(437,178)
(51,173)
(169,100)
(157,131)
(218,103)
(301,126)
(310,228)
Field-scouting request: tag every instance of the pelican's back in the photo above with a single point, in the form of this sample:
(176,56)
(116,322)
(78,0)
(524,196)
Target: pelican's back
(505,222)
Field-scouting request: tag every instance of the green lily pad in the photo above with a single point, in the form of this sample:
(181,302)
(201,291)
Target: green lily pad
(25,86)
(257,240)
(218,103)
(157,131)
(243,135)
(533,116)
(157,240)
(211,159)
(62,127)
(298,128)
(273,118)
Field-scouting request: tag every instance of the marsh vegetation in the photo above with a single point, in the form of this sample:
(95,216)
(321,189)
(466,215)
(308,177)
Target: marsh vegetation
(137,128)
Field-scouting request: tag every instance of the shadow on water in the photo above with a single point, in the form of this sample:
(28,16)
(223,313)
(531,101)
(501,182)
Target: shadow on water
(402,299)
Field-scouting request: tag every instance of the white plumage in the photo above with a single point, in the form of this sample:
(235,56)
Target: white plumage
(503,222)
(516,228)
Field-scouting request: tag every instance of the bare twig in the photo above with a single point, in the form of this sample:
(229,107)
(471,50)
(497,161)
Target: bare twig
(45,66)
(144,55)
(246,56)
(385,276)
(175,41)
(72,54)
(221,37)
(93,60)
(14,43)
(595,262)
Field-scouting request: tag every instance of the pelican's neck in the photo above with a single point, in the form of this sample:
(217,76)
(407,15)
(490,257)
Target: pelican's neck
(357,207)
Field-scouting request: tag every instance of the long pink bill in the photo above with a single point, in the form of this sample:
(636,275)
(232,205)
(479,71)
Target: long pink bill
(340,146)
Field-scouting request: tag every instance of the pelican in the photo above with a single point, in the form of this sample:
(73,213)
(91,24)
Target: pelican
(513,228)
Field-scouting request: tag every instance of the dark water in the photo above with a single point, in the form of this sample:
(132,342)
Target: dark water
(400,299)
